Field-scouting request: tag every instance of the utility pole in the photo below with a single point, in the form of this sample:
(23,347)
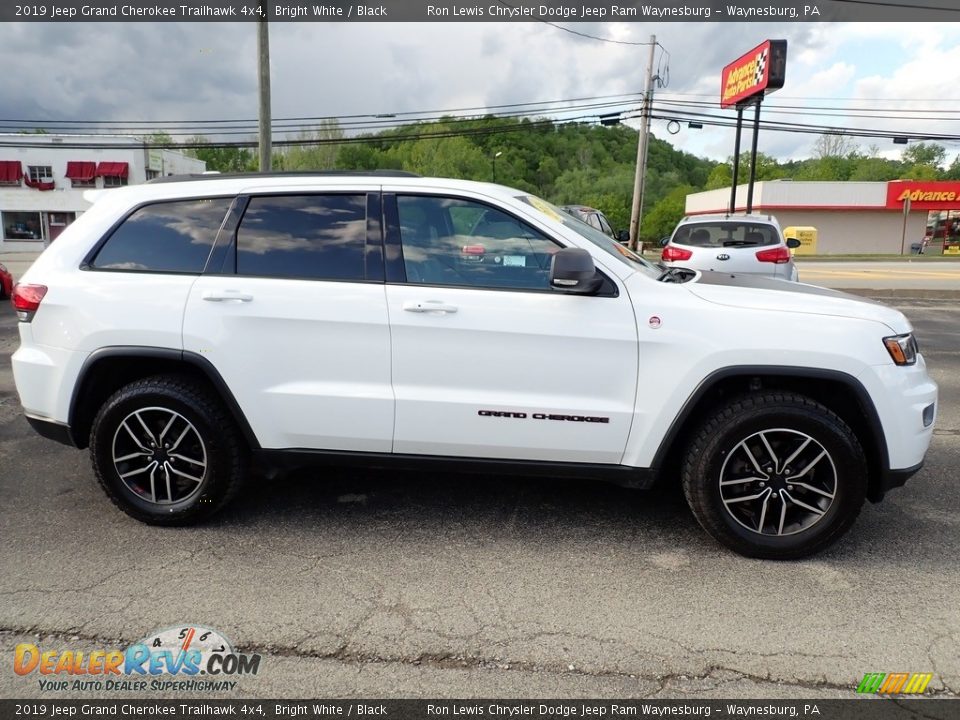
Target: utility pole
(263,52)
(638,182)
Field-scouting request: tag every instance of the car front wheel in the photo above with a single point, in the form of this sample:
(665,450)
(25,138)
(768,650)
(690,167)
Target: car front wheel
(775,475)
(166,451)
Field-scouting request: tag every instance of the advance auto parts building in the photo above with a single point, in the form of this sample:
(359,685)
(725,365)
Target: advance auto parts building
(852,217)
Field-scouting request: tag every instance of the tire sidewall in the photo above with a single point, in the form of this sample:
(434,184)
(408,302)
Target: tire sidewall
(829,431)
(108,421)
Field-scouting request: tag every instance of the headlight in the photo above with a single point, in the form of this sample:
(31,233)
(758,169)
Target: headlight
(902,348)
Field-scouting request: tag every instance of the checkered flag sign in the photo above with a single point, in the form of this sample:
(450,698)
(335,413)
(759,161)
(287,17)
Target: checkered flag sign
(761,66)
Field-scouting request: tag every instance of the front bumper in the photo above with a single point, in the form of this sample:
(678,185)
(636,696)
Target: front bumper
(890,479)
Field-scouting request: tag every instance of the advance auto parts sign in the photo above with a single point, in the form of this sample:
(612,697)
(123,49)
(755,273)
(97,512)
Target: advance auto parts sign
(930,195)
(761,69)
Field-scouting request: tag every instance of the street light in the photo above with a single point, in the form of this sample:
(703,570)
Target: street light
(494,158)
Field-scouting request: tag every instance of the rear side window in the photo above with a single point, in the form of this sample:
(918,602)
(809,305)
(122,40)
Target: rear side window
(173,237)
(317,237)
(727,234)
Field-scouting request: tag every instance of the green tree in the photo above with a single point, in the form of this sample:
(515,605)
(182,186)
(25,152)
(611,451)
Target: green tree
(222,159)
(953,172)
(160,137)
(924,154)
(317,150)
(665,215)
(720,177)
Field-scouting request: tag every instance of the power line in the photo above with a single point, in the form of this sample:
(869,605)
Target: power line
(409,113)
(282,127)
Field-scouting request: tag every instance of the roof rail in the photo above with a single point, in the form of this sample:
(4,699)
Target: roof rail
(192,177)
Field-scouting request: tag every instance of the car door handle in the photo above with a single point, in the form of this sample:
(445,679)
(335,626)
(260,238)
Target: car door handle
(226,296)
(428,306)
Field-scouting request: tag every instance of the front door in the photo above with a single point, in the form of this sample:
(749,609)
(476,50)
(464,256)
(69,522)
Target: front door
(488,361)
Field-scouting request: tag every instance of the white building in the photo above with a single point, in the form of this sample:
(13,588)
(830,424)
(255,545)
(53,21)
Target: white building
(43,178)
(851,217)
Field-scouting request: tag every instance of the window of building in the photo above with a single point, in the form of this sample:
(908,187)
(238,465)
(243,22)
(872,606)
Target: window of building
(318,237)
(22,226)
(40,173)
(151,174)
(165,237)
(110,181)
(459,242)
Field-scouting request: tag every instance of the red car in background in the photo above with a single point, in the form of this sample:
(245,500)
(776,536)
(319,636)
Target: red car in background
(6,282)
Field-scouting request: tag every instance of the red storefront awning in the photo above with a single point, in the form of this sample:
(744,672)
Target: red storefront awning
(81,171)
(11,171)
(113,169)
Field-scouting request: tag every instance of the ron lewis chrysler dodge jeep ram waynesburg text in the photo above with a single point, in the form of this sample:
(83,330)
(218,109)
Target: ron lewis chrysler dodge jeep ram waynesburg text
(184,329)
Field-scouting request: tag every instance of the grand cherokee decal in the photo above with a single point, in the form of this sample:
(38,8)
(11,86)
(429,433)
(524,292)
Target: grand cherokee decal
(542,416)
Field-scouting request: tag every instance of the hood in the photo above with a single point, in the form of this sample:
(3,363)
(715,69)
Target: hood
(763,293)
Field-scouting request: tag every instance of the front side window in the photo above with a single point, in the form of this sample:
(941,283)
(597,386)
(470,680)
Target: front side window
(165,237)
(607,244)
(450,241)
(316,237)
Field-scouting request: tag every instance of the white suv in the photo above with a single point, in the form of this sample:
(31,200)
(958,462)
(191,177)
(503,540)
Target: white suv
(750,244)
(180,329)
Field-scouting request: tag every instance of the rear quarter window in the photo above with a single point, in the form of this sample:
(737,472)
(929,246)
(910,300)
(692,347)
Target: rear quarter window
(174,237)
(312,237)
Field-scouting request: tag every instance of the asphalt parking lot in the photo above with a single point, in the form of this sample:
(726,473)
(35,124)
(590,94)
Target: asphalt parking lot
(362,584)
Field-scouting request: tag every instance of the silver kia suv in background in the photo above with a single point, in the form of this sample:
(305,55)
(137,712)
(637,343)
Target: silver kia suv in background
(731,243)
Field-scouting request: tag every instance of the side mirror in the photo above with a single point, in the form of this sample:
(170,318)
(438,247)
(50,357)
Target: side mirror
(572,271)
(664,241)
(623,236)
(793,243)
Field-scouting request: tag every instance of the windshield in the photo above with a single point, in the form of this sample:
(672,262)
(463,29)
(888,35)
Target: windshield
(610,246)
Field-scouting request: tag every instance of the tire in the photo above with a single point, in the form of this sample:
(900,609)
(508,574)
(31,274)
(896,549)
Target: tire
(767,507)
(198,474)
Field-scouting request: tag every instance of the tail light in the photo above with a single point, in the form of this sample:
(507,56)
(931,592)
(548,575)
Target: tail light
(778,255)
(671,253)
(26,299)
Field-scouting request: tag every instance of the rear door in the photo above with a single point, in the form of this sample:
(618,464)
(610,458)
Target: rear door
(296,319)
(488,361)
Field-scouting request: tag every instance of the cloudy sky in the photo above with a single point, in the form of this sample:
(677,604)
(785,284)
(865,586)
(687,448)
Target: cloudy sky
(207,71)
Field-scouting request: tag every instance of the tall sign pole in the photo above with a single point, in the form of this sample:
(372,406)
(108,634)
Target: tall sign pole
(736,162)
(753,154)
(263,54)
(744,82)
(642,150)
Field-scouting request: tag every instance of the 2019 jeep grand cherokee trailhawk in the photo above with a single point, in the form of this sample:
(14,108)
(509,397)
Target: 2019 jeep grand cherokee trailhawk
(183,329)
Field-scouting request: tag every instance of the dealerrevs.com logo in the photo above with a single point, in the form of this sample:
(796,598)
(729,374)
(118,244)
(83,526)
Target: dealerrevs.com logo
(188,658)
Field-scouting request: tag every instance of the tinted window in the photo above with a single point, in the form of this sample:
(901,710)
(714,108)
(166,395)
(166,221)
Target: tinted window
(610,246)
(318,237)
(165,237)
(726,234)
(458,242)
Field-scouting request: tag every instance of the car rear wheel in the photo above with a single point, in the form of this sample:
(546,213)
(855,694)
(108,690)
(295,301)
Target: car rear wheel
(166,452)
(775,475)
